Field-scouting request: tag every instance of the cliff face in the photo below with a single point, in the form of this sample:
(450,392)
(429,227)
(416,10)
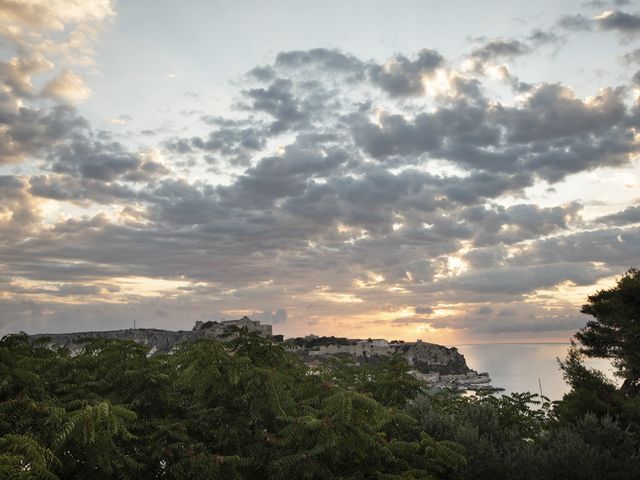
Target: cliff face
(429,357)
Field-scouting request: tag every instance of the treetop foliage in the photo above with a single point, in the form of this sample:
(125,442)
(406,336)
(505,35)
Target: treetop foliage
(614,331)
(246,409)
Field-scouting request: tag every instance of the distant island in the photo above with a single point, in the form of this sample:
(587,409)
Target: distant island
(438,366)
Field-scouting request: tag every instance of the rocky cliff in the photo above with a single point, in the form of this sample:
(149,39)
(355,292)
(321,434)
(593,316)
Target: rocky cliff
(423,357)
(429,357)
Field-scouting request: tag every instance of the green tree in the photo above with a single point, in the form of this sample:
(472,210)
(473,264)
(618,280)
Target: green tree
(614,332)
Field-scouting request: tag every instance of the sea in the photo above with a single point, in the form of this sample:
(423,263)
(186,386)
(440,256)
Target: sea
(526,367)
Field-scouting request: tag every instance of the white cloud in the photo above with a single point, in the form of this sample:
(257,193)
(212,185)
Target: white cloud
(67,87)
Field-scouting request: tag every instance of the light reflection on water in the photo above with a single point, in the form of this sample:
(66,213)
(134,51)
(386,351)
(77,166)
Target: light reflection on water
(517,367)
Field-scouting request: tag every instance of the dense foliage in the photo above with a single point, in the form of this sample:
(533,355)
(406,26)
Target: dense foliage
(251,409)
(247,409)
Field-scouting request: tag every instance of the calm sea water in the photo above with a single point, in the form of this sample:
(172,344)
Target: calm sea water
(517,367)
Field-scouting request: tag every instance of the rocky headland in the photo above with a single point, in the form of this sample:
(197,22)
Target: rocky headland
(437,365)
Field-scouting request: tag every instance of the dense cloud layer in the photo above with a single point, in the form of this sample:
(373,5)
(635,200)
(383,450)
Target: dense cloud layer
(351,194)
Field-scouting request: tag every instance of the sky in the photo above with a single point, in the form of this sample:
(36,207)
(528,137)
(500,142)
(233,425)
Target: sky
(458,172)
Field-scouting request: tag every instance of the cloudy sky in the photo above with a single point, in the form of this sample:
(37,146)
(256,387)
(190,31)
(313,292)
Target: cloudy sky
(452,171)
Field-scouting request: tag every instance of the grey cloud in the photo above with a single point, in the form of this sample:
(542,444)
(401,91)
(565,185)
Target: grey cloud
(81,190)
(26,130)
(368,202)
(423,310)
(560,134)
(95,163)
(576,23)
(632,57)
(517,280)
(500,48)
(563,158)
(611,20)
(19,213)
(333,60)
(470,88)
(10,187)
(32,132)
(602,3)
(554,111)
(620,21)
(396,136)
(613,247)
(399,77)
(179,145)
(180,203)
(629,215)
(262,73)
(486,257)
(552,134)
(148,169)
(237,143)
(493,51)
(283,176)
(90,159)
(93,250)
(280,102)
(402,76)
(68,289)
(518,222)
(461,125)
(539,37)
